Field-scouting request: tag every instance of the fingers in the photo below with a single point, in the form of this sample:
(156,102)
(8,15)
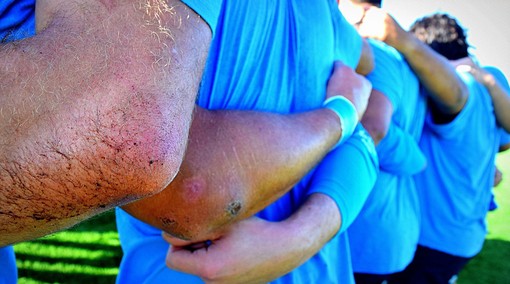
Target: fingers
(180,244)
(464,68)
(184,260)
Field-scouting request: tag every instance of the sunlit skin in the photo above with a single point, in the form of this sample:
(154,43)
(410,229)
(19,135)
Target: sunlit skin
(95,109)
(257,158)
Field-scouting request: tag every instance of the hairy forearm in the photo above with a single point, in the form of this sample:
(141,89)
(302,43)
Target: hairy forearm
(93,112)
(236,164)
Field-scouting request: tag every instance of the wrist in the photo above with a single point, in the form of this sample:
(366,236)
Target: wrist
(346,113)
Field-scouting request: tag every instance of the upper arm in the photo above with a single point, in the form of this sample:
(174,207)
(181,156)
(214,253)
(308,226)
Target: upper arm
(366,62)
(95,109)
(377,117)
(447,91)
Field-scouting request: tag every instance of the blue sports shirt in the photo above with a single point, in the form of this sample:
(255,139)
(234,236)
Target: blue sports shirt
(17,19)
(383,238)
(455,189)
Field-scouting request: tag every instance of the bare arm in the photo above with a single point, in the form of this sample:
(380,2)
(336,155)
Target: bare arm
(94,110)
(398,151)
(237,163)
(377,118)
(258,251)
(436,74)
(366,62)
(499,94)
(500,100)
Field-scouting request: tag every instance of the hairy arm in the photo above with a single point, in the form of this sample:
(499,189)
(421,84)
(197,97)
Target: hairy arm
(258,251)
(95,109)
(238,162)
(436,74)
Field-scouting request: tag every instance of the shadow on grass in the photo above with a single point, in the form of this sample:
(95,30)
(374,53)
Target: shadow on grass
(491,265)
(102,223)
(46,277)
(70,244)
(106,262)
(74,269)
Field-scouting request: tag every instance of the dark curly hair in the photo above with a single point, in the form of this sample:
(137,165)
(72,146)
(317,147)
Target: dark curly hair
(443,34)
(377,3)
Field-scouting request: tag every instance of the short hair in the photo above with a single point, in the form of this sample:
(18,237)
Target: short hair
(377,3)
(443,34)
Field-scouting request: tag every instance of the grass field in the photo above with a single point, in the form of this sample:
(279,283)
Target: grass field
(90,253)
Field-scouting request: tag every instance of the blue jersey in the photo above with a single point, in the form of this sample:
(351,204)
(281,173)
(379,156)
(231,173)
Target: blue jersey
(458,181)
(384,237)
(274,56)
(17,19)
(8,270)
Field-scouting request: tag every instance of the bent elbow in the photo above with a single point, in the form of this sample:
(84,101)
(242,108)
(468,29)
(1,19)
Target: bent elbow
(135,150)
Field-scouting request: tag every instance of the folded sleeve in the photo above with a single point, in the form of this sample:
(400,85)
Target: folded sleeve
(208,10)
(17,19)
(399,153)
(347,175)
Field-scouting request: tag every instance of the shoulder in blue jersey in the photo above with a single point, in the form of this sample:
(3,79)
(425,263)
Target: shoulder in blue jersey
(17,19)
(392,211)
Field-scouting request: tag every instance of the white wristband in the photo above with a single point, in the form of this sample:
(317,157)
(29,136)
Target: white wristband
(347,114)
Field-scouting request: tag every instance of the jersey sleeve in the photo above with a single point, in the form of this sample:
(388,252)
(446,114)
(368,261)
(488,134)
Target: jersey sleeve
(347,175)
(399,153)
(208,10)
(348,42)
(461,122)
(17,19)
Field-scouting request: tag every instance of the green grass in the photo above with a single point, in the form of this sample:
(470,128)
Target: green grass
(90,253)
(492,265)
